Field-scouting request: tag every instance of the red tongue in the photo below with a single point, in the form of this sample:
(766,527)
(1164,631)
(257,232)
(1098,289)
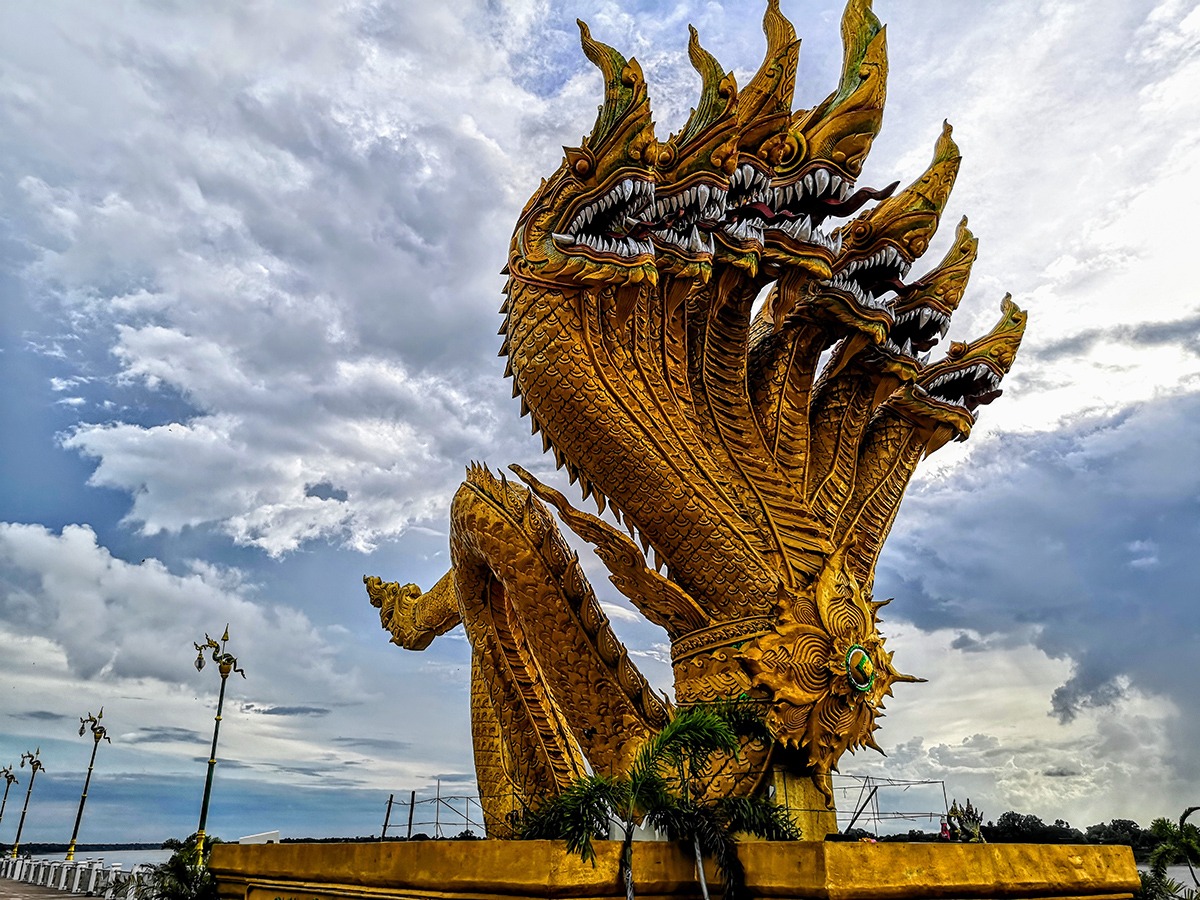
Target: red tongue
(978,400)
(758,210)
(855,201)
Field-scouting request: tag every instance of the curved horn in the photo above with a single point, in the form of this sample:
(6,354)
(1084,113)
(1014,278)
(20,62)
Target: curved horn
(624,85)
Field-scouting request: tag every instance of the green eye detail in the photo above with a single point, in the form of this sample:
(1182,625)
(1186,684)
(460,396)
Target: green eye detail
(859,668)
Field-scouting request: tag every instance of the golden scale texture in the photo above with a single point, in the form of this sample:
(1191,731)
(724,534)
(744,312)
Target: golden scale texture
(756,488)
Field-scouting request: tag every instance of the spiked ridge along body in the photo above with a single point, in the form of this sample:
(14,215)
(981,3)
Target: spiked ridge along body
(760,490)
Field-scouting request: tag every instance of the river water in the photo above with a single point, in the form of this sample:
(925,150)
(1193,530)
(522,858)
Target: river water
(127,858)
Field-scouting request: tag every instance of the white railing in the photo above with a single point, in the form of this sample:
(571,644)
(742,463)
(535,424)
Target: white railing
(88,876)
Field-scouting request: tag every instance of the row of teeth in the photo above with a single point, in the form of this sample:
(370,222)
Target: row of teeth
(710,200)
(694,241)
(751,180)
(817,185)
(619,246)
(745,230)
(906,350)
(924,314)
(851,287)
(637,194)
(888,256)
(979,372)
(974,414)
(802,229)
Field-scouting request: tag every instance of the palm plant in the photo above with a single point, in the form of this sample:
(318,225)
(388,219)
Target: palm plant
(180,877)
(1176,843)
(657,792)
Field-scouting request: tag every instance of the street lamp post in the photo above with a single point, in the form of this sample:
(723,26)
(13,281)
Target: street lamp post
(9,780)
(226,663)
(35,766)
(99,733)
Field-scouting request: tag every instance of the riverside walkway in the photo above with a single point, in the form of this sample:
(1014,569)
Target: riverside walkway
(19,890)
(30,878)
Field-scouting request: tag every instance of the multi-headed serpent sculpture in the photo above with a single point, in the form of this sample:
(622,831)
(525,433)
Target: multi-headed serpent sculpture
(761,483)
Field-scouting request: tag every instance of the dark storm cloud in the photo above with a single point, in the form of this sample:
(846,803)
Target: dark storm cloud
(163,734)
(1061,772)
(1081,541)
(286,710)
(40,715)
(373,745)
(1183,333)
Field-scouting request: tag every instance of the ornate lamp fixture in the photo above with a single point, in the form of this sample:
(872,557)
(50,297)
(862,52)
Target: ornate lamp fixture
(226,663)
(35,766)
(99,733)
(9,780)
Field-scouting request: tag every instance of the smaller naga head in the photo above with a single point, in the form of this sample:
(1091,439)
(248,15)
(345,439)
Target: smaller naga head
(822,153)
(946,396)
(923,308)
(823,670)
(763,112)
(693,169)
(880,245)
(586,223)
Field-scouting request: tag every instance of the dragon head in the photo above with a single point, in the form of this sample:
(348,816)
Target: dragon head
(584,224)
(693,169)
(923,309)
(947,394)
(823,151)
(880,245)
(824,672)
(764,110)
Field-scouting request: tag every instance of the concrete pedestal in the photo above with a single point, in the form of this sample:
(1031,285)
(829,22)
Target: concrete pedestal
(522,870)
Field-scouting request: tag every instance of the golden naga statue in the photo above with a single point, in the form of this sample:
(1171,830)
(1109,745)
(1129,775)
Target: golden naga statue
(759,484)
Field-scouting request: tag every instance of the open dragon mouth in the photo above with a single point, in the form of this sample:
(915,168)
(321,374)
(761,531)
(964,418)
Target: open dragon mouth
(686,219)
(917,330)
(614,222)
(801,206)
(868,279)
(748,205)
(969,387)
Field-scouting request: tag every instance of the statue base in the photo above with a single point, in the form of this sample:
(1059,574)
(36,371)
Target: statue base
(517,870)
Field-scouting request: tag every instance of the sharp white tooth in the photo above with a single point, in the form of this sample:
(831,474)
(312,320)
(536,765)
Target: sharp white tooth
(908,351)
(810,184)
(925,359)
(563,238)
(822,182)
(976,414)
(703,193)
(926,314)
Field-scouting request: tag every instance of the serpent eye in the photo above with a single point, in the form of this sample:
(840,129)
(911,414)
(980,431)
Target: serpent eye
(957,350)
(579,161)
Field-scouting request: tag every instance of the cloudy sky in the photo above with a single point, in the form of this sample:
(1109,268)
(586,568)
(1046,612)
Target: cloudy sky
(248,270)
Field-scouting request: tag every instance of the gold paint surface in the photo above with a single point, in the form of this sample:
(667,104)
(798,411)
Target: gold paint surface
(542,869)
